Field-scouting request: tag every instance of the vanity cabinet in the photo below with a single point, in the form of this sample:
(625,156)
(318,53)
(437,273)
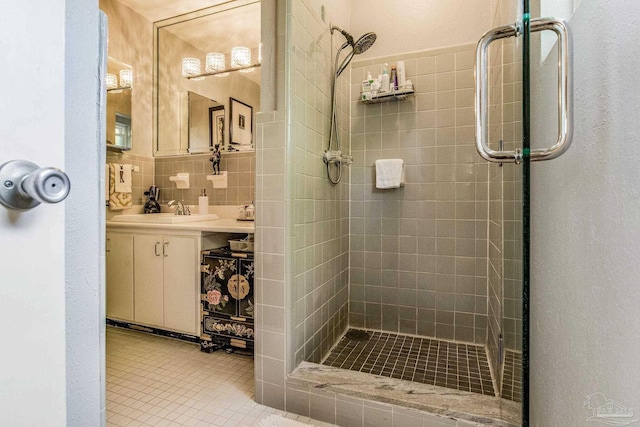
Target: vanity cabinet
(119,269)
(153,277)
(227,301)
(165,280)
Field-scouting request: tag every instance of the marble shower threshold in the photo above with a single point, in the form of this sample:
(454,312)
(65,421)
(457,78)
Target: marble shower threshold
(431,399)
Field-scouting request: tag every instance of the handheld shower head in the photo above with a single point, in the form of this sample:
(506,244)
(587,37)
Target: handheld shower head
(364,43)
(357,47)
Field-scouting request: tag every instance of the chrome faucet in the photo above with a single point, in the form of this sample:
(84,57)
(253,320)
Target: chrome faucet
(180,208)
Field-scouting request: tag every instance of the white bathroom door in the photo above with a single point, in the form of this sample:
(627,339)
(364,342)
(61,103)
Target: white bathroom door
(33,113)
(32,299)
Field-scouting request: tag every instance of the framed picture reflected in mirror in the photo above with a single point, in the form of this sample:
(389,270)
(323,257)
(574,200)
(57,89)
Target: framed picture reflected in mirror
(240,126)
(216,126)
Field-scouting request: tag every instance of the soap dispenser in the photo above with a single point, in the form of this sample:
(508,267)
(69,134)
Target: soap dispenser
(203,203)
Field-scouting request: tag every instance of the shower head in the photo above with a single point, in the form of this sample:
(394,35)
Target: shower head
(364,43)
(357,47)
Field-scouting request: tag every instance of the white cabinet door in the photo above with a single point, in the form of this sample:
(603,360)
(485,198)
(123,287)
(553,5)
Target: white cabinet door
(181,266)
(148,272)
(120,276)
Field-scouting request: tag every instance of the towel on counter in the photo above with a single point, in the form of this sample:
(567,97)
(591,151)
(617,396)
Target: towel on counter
(123,178)
(118,200)
(389,173)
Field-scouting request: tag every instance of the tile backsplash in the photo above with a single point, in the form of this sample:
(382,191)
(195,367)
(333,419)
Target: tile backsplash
(240,168)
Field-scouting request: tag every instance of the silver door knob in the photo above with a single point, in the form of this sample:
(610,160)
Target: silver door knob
(24,185)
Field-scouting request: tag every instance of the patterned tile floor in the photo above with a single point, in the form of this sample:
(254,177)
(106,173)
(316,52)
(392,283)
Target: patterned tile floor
(157,381)
(429,361)
(512,376)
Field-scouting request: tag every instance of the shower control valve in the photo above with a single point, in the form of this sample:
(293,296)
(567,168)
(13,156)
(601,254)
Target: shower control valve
(332,156)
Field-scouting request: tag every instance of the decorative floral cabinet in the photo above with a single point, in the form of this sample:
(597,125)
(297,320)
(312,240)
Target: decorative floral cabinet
(227,301)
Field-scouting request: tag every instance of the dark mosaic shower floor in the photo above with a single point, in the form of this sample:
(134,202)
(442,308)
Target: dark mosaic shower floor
(424,360)
(512,376)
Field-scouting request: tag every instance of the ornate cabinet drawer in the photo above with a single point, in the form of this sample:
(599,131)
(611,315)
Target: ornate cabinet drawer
(227,332)
(226,299)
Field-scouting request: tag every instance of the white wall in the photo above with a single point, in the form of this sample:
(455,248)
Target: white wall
(333,12)
(586,228)
(84,232)
(409,26)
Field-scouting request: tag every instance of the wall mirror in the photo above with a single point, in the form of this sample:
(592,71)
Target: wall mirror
(218,29)
(202,122)
(119,86)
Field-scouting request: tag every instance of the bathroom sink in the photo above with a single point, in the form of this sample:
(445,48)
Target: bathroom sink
(163,218)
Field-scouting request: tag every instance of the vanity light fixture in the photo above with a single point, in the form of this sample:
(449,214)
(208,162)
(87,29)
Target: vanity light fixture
(215,62)
(126,78)
(241,58)
(112,83)
(191,68)
(126,81)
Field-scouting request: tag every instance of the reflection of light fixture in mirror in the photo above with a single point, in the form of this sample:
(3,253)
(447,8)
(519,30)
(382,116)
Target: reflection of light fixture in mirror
(112,83)
(126,81)
(126,78)
(215,62)
(241,58)
(191,67)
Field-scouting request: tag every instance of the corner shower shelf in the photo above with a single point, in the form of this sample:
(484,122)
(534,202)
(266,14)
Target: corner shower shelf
(396,95)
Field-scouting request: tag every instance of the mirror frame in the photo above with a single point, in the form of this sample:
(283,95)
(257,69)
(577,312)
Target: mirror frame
(159,25)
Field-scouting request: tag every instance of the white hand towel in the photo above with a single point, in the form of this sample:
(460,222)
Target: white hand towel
(117,201)
(123,178)
(389,173)
(106,183)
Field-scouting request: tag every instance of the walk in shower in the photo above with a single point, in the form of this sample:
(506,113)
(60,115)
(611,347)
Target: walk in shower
(415,292)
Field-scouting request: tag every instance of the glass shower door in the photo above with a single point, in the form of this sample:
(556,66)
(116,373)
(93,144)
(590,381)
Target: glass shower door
(503,115)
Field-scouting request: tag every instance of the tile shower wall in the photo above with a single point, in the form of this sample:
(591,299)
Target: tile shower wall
(302,221)
(419,253)
(321,210)
(240,169)
(505,190)
(274,308)
(512,198)
(495,263)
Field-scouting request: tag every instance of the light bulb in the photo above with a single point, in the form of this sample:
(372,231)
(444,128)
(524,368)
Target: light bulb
(240,57)
(126,78)
(191,67)
(215,62)
(112,83)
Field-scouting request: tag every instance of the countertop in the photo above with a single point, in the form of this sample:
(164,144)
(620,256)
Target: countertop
(223,225)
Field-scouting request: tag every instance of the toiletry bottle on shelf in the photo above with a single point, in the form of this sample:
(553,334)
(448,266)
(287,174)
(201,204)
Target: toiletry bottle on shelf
(366,87)
(393,78)
(203,203)
(402,76)
(384,85)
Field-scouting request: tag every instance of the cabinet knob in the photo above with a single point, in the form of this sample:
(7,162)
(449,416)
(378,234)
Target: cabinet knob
(164,249)
(157,248)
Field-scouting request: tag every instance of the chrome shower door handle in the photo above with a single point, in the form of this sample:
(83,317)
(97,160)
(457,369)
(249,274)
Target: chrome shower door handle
(565,87)
(482,95)
(24,185)
(565,92)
